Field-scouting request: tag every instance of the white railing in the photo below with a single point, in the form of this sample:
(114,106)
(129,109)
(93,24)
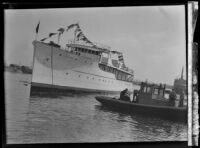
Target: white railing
(85,44)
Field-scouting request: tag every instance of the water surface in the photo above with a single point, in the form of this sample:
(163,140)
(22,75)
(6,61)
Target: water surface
(76,118)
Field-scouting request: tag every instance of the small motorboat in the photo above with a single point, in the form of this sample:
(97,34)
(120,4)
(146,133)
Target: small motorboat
(150,100)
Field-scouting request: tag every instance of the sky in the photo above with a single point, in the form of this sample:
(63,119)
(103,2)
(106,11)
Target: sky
(152,38)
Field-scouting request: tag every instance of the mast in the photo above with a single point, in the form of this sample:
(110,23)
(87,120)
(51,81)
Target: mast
(182,73)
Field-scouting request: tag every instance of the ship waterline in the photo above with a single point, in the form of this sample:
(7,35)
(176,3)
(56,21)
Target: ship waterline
(54,67)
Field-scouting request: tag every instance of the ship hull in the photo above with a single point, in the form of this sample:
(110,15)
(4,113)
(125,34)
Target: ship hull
(58,69)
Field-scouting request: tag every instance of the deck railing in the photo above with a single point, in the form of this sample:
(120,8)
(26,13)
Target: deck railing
(99,45)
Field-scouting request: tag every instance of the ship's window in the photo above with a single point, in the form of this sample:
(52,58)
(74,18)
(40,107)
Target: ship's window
(123,76)
(156,91)
(148,89)
(93,52)
(107,68)
(161,92)
(112,70)
(166,95)
(116,72)
(119,76)
(101,67)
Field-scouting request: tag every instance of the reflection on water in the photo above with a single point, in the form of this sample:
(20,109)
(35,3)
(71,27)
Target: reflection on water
(77,118)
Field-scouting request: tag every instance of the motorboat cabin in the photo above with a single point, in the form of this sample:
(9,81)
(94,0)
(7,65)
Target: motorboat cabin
(152,94)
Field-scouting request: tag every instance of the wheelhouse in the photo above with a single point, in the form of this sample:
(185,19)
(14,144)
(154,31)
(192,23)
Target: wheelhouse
(153,94)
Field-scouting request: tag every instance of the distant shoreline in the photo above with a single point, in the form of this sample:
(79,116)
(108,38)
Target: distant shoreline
(14,68)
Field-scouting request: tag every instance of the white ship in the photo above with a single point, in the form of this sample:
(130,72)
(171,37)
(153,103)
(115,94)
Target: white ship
(80,66)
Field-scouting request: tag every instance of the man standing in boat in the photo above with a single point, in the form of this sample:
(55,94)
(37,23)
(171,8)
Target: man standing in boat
(172,98)
(124,95)
(181,99)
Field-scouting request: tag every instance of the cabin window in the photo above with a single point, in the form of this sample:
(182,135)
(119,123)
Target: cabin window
(123,76)
(119,76)
(148,89)
(101,66)
(116,72)
(109,69)
(112,70)
(166,95)
(155,91)
(93,52)
(161,93)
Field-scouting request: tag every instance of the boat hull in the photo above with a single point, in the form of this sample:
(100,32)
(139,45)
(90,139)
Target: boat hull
(61,69)
(167,112)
